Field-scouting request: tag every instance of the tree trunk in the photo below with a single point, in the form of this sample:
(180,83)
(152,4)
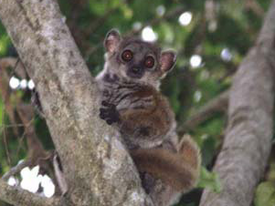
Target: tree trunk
(97,168)
(247,143)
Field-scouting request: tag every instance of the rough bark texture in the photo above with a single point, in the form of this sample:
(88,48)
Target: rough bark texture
(96,173)
(247,144)
(17,196)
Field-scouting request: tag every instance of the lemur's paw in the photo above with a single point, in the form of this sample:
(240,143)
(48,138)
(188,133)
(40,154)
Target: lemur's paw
(109,113)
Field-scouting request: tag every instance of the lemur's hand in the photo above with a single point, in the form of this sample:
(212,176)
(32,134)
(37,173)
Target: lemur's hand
(109,113)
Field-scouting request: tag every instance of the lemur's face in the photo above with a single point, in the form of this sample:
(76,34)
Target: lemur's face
(136,59)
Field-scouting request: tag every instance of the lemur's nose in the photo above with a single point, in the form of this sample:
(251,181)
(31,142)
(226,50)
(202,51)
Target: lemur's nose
(135,69)
(135,72)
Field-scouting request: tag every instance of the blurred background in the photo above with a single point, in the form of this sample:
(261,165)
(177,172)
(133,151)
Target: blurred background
(211,39)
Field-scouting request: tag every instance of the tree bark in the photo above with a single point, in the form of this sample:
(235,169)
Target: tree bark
(18,196)
(247,143)
(97,168)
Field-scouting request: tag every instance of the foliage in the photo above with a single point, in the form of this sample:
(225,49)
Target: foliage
(209,180)
(265,194)
(220,32)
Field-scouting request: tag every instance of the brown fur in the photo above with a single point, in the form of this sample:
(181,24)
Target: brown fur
(156,118)
(179,169)
(132,103)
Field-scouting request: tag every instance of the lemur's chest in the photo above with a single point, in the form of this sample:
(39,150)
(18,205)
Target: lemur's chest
(125,94)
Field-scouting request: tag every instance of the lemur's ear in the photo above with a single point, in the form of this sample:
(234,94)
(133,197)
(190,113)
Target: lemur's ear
(167,61)
(112,40)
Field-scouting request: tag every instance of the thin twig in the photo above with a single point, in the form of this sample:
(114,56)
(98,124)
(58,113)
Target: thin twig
(20,144)
(13,171)
(5,138)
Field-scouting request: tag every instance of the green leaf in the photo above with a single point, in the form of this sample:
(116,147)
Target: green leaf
(4,43)
(98,7)
(210,180)
(265,194)
(127,11)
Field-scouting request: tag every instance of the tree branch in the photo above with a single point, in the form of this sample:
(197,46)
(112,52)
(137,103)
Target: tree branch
(5,64)
(247,143)
(217,104)
(68,97)
(18,196)
(13,171)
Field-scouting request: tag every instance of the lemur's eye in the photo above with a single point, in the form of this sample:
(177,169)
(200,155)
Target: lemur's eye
(127,55)
(149,62)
